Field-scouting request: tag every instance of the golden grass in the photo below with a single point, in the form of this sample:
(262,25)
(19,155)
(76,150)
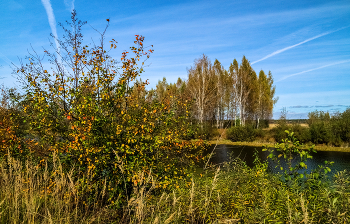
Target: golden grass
(320,147)
(275,125)
(29,194)
(229,142)
(233,193)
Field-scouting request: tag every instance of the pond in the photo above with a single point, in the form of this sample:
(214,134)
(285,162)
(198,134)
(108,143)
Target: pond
(246,153)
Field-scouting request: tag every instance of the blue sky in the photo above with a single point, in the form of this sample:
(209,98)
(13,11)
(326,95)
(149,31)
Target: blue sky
(305,44)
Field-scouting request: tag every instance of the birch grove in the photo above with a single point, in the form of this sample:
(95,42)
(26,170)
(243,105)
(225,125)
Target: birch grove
(232,97)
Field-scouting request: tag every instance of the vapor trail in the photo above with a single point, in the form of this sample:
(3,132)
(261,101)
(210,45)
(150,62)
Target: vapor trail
(313,69)
(6,59)
(69,4)
(52,22)
(295,45)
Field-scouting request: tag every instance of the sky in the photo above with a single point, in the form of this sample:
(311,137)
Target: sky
(305,44)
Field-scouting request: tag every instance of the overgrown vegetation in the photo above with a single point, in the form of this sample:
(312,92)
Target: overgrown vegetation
(322,128)
(233,193)
(86,142)
(94,114)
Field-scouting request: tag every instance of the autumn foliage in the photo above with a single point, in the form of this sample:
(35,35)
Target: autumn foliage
(7,133)
(91,110)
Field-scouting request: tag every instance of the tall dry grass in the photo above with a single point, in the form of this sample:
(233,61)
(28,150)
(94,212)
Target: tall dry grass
(33,194)
(233,193)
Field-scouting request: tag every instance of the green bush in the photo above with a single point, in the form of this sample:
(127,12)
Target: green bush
(320,127)
(301,133)
(325,129)
(320,133)
(278,132)
(259,133)
(263,123)
(341,126)
(206,131)
(241,133)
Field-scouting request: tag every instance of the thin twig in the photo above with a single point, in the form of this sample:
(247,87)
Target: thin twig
(212,152)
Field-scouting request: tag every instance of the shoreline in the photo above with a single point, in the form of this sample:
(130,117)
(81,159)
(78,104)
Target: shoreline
(271,144)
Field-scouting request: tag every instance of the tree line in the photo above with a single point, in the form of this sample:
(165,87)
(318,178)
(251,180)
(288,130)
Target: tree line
(233,96)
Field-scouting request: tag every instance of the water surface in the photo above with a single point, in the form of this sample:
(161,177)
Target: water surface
(246,153)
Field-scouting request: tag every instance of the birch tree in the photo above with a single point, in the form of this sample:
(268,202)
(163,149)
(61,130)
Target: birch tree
(242,87)
(252,99)
(220,80)
(270,97)
(232,89)
(201,86)
(266,93)
(262,95)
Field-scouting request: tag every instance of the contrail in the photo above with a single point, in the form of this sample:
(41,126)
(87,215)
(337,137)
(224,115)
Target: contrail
(295,45)
(69,4)
(6,59)
(310,70)
(52,22)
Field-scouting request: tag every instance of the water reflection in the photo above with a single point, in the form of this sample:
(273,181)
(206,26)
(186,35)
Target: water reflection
(246,153)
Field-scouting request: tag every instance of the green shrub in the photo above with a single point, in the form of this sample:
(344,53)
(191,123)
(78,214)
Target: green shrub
(301,133)
(241,133)
(325,129)
(320,133)
(320,127)
(259,133)
(263,123)
(278,132)
(206,131)
(341,126)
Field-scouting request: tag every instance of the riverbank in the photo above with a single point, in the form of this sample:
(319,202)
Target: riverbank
(271,144)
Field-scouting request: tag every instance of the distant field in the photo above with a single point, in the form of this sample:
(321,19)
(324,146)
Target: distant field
(290,121)
(274,125)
